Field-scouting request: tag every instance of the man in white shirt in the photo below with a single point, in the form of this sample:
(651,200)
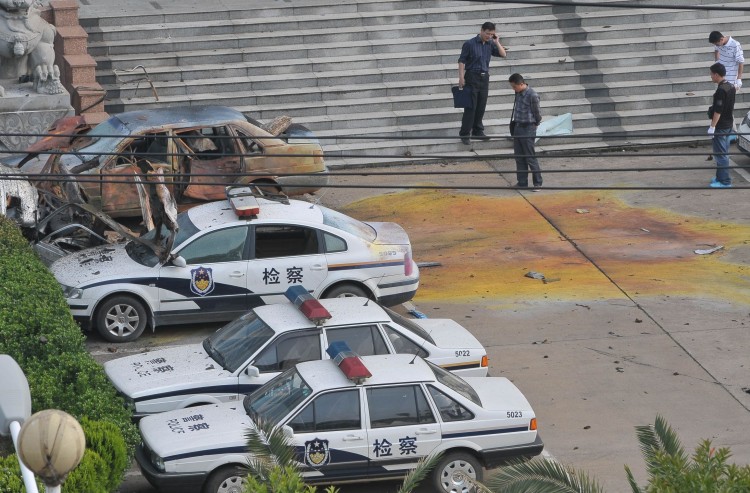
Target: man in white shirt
(728,52)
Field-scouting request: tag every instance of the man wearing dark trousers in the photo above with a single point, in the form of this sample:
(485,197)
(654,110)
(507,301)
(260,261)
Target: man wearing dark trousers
(527,116)
(474,73)
(721,124)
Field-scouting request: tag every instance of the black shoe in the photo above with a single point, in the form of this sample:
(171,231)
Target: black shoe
(465,139)
(520,185)
(480,136)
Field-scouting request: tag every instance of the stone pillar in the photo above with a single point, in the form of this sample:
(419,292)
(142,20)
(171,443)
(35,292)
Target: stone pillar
(77,67)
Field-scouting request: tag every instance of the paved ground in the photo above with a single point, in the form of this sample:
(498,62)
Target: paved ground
(633,323)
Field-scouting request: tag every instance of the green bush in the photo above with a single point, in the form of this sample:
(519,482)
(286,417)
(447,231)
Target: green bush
(37,330)
(10,476)
(87,477)
(106,440)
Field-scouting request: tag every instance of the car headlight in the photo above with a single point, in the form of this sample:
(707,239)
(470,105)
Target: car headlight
(157,461)
(71,293)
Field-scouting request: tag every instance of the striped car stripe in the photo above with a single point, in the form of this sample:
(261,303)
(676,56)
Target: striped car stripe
(499,431)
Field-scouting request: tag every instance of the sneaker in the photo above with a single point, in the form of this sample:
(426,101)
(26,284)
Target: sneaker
(536,189)
(519,185)
(480,136)
(713,180)
(718,184)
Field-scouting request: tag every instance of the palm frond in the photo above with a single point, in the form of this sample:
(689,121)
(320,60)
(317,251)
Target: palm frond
(668,438)
(656,439)
(542,476)
(416,475)
(631,480)
(268,446)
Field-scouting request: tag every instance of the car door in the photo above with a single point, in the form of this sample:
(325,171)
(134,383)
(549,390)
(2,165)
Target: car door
(329,436)
(120,197)
(213,284)
(209,159)
(284,255)
(402,429)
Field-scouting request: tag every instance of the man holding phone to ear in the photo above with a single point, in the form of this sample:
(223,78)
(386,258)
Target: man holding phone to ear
(474,74)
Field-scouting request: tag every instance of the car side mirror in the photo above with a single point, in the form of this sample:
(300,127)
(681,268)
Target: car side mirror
(252,371)
(287,431)
(179,262)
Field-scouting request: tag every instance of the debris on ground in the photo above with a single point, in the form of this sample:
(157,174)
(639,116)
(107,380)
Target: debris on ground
(413,310)
(582,211)
(534,275)
(709,251)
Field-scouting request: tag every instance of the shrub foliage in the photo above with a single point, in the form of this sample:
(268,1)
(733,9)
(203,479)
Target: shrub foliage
(37,330)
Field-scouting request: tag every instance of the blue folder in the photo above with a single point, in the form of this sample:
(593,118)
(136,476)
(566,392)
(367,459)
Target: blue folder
(461,97)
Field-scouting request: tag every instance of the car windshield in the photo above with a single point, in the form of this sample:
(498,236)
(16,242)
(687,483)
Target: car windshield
(348,224)
(101,139)
(145,256)
(455,383)
(232,345)
(409,325)
(270,403)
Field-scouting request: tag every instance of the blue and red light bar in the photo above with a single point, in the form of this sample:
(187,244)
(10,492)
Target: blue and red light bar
(348,362)
(309,306)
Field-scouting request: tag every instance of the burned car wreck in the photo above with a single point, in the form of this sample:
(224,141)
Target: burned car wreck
(148,165)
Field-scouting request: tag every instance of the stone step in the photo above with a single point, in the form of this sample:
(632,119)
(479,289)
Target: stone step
(534,17)
(404,61)
(156,38)
(403,151)
(440,76)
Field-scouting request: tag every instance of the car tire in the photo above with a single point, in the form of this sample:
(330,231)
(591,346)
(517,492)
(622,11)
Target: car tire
(229,479)
(121,319)
(345,291)
(450,474)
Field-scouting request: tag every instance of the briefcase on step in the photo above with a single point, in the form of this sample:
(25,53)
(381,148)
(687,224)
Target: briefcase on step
(461,97)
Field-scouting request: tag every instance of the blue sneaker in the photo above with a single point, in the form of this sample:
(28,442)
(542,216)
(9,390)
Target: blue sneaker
(713,180)
(718,184)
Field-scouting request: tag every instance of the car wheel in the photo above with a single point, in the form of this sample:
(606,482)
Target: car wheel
(226,480)
(455,473)
(345,291)
(121,319)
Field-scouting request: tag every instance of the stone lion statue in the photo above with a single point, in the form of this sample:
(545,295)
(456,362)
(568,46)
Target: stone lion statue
(26,47)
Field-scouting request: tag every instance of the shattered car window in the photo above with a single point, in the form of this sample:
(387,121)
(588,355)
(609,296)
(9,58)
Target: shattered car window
(95,143)
(145,256)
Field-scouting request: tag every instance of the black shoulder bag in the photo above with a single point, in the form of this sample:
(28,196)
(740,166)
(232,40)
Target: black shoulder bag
(512,114)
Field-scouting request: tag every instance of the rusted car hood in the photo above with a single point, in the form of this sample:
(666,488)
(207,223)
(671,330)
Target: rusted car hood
(99,264)
(60,134)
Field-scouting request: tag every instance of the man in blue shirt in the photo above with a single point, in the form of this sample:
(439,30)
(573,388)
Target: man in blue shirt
(474,73)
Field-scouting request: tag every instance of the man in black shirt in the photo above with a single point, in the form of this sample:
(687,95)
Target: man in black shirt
(474,72)
(721,124)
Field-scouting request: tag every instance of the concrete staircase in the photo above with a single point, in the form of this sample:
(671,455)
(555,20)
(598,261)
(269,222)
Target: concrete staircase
(372,77)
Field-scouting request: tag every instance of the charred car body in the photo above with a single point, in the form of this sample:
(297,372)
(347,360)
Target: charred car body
(148,164)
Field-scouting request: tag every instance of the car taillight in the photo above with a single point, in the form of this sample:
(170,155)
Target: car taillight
(532,425)
(408,268)
(485,361)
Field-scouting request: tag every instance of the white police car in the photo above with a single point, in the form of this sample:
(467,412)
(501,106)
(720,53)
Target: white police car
(248,352)
(228,257)
(343,431)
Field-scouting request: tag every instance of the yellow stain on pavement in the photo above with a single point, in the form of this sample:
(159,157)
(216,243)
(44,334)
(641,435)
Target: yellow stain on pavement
(487,244)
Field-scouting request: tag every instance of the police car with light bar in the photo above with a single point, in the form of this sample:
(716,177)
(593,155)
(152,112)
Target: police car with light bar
(368,419)
(248,352)
(229,256)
